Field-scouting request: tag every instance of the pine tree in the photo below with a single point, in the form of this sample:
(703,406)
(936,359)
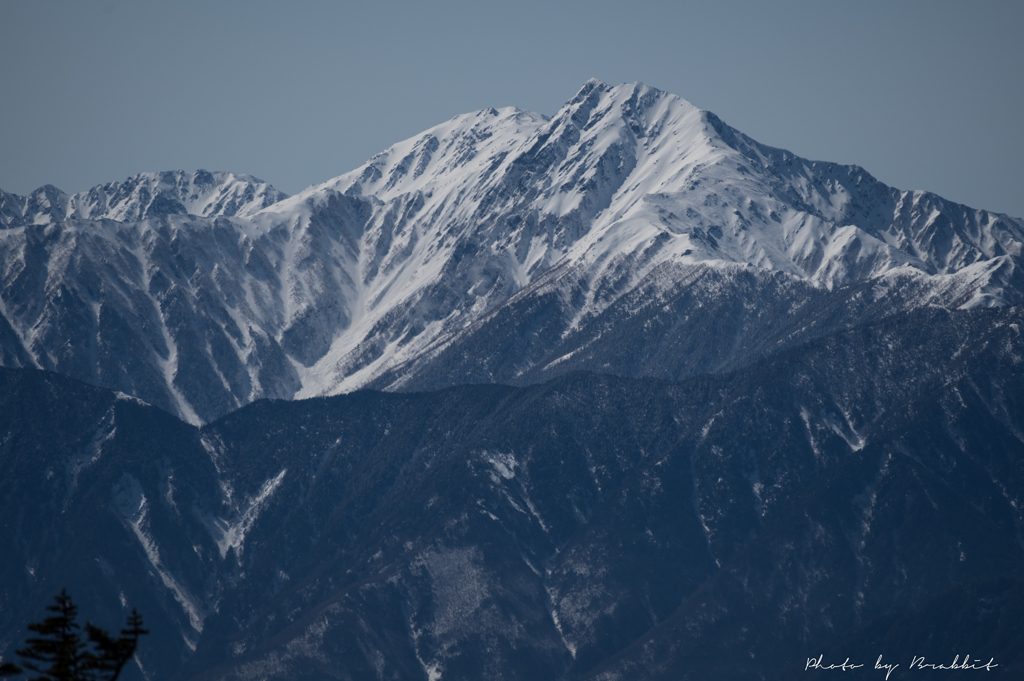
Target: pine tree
(58,653)
(115,653)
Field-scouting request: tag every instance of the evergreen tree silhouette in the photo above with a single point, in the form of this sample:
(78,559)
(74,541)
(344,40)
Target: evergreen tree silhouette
(58,652)
(115,653)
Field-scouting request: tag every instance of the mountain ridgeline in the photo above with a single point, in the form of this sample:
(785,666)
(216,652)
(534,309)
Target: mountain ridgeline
(616,394)
(631,233)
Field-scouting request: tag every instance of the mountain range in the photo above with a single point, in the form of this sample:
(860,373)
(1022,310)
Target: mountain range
(501,246)
(615,394)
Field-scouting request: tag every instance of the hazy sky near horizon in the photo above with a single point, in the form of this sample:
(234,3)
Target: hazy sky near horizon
(924,95)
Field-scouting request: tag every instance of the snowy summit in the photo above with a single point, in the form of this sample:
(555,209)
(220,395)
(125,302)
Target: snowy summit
(501,245)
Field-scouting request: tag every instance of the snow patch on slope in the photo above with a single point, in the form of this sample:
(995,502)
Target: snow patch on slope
(133,506)
(230,533)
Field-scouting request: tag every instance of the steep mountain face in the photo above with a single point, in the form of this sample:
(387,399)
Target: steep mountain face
(105,496)
(501,246)
(842,495)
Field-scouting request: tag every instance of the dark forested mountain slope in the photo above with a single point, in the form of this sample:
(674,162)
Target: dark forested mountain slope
(842,492)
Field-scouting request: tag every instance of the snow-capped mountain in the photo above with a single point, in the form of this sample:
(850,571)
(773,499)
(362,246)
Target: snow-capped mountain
(839,470)
(142,196)
(500,246)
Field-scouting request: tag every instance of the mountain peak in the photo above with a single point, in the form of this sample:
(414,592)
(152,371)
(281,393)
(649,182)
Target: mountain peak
(613,203)
(590,86)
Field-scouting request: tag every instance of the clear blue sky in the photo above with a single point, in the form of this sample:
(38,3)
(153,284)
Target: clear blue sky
(923,94)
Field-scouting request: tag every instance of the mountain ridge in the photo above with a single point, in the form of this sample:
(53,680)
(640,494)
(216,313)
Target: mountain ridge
(202,193)
(380,277)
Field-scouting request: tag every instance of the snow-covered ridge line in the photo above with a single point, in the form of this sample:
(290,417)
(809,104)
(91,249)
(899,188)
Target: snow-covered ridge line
(146,195)
(448,244)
